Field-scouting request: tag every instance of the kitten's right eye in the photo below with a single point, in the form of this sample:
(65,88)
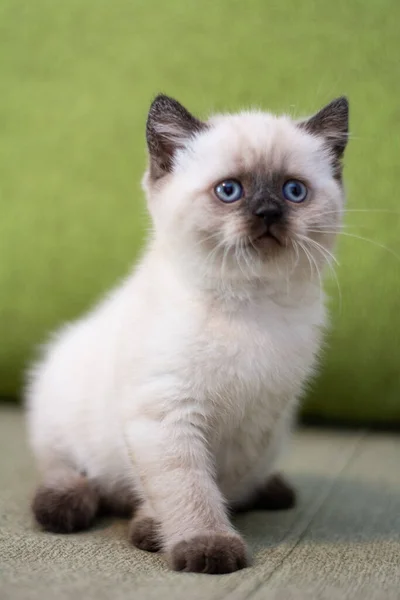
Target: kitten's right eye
(229,190)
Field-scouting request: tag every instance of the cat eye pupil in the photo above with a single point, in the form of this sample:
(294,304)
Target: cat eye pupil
(229,190)
(295,189)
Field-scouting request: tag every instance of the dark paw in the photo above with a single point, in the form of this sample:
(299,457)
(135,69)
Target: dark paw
(119,504)
(209,553)
(277,494)
(144,534)
(66,509)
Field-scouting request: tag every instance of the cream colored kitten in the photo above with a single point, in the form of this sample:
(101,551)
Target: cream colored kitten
(174,397)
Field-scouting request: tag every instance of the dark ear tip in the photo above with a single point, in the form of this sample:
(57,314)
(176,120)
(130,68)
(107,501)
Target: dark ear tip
(162,101)
(160,106)
(160,98)
(342,102)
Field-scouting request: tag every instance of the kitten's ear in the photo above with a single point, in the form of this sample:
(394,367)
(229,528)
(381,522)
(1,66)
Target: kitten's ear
(169,127)
(331,122)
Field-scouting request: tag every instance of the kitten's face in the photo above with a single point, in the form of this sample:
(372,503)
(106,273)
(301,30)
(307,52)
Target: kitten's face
(250,194)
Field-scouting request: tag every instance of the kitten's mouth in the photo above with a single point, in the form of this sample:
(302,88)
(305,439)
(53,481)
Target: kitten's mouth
(269,235)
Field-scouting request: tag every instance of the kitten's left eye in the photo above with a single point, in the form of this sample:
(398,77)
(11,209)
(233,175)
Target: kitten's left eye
(294,191)
(229,190)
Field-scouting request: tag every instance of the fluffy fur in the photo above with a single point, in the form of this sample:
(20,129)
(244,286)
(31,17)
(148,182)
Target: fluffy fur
(176,394)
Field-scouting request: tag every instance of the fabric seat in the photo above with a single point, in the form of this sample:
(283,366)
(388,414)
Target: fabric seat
(342,540)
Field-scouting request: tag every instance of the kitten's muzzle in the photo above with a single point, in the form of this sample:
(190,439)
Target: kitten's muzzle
(271,214)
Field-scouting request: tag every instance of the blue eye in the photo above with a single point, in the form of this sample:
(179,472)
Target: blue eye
(294,191)
(229,190)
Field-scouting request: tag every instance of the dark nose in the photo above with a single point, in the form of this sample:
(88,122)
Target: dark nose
(271,213)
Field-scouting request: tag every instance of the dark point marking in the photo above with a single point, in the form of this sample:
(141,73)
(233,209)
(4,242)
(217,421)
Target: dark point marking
(277,494)
(66,509)
(121,503)
(210,553)
(169,126)
(332,123)
(144,534)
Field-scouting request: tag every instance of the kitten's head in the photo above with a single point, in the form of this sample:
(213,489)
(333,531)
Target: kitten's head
(247,195)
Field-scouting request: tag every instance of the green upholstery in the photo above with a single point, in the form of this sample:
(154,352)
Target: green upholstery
(77,78)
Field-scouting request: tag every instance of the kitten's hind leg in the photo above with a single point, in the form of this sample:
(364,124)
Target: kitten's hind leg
(66,501)
(275,494)
(144,530)
(118,502)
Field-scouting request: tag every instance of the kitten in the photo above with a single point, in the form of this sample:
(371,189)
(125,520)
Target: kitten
(174,397)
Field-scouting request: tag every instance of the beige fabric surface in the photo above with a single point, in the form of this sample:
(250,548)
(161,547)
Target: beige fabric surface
(341,542)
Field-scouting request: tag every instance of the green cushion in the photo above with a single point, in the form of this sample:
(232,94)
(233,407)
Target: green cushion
(77,78)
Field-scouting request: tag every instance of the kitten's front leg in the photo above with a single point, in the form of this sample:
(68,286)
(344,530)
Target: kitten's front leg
(176,475)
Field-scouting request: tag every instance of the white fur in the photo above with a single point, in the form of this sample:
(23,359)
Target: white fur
(183,383)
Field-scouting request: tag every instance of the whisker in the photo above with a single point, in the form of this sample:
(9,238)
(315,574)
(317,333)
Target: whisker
(250,241)
(321,247)
(248,258)
(238,258)
(326,254)
(297,258)
(241,255)
(361,211)
(319,276)
(211,256)
(302,247)
(370,210)
(340,227)
(223,263)
(359,237)
(206,239)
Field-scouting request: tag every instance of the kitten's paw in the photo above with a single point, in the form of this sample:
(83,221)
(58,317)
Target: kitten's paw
(68,508)
(210,553)
(277,494)
(144,534)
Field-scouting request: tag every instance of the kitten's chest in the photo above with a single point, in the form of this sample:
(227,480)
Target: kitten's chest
(249,450)
(254,353)
(256,365)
